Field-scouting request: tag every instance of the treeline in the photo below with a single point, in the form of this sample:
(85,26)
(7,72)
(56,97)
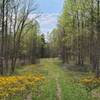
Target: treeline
(20,39)
(77,35)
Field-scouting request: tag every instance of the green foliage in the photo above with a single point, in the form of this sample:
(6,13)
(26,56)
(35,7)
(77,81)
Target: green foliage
(77,33)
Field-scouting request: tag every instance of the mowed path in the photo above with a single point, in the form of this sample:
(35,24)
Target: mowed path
(62,83)
(54,74)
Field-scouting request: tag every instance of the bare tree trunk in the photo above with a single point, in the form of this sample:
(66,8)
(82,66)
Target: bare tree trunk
(2,44)
(98,39)
(6,39)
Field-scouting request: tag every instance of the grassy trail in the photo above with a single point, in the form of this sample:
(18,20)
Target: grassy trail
(61,84)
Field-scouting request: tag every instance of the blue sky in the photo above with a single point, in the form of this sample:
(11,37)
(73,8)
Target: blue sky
(50,10)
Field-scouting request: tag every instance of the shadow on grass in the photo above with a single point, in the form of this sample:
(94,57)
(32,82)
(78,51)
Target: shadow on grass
(74,67)
(77,68)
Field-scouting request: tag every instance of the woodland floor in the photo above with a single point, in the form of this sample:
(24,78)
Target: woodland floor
(62,83)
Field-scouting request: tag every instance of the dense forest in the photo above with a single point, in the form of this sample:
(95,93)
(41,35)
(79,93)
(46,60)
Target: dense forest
(63,64)
(20,38)
(77,36)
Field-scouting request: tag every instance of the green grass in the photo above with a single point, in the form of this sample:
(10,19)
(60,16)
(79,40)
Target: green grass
(69,89)
(68,81)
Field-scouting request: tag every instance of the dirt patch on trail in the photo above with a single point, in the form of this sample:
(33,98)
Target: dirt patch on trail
(58,90)
(28,97)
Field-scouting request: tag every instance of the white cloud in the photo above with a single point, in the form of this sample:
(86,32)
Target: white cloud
(47,21)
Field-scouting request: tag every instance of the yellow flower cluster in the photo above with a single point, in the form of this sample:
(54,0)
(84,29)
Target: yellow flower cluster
(91,83)
(88,81)
(15,84)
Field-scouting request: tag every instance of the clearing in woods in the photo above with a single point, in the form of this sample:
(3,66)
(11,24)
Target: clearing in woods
(61,83)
